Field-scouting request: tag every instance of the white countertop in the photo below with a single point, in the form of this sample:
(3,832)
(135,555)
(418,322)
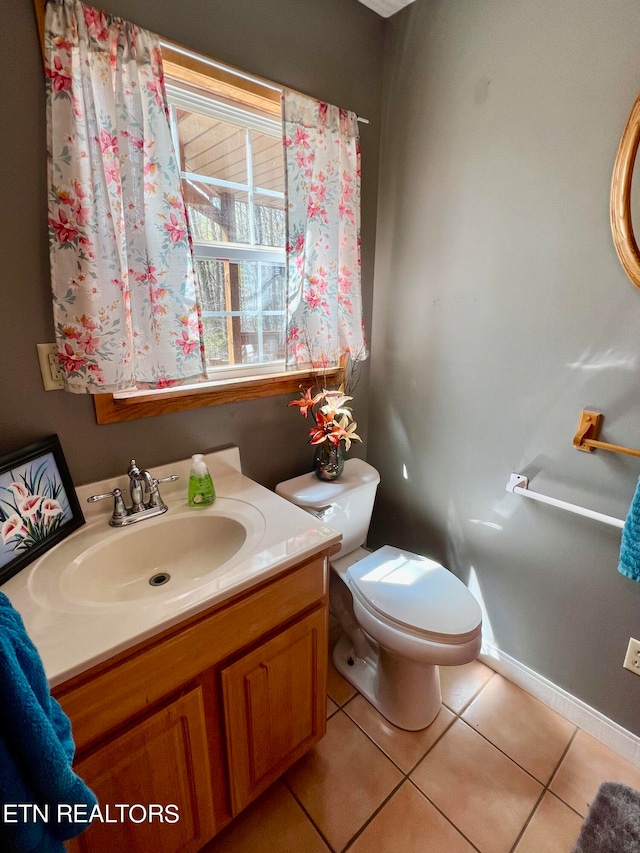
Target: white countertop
(72,636)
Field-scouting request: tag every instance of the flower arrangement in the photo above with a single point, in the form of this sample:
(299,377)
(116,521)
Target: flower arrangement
(333,419)
(334,428)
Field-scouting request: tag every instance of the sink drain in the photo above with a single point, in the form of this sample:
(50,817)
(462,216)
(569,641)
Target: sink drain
(160,579)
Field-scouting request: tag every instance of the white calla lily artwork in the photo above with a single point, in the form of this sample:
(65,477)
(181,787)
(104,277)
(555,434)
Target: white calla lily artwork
(38,504)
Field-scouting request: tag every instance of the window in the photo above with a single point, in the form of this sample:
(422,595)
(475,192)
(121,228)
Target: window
(233,184)
(228,132)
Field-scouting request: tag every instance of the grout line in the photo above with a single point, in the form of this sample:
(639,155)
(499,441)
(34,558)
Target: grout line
(345,703)
(562,757)
(547,790)
(510,757)
(388,757)
(560,800)
(371,817)
(448,819)
(528,821)
(556,771)
(338,708)
(545,787)
(475,695)
(405,773)
(377,745)
(437,740)
(506,754)
(307,815)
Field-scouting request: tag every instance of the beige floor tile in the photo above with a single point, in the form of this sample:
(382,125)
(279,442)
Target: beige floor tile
(408,823)
(338,687)
(534,736)
(553,828)
(479,789)
(586,765)
(275,822)
(461,683)
(404,748)
(331,708)
(343,780)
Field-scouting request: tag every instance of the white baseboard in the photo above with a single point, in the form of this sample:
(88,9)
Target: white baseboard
(575,710)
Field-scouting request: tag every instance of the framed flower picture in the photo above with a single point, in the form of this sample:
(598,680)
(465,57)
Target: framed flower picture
(38,504)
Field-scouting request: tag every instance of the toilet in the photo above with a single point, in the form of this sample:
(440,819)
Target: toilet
(402,615)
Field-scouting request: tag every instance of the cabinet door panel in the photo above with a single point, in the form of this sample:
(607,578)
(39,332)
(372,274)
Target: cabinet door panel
(160,760)
(275,706)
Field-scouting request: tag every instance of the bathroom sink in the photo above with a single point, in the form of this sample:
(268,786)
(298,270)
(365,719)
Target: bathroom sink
(155,559)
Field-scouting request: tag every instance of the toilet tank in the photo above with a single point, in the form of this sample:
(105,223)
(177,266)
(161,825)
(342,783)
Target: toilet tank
(345,504)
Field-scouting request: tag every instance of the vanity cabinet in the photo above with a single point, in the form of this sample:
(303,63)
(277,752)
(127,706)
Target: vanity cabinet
(203,717)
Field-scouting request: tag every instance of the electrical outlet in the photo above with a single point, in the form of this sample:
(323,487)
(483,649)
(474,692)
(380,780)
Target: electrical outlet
(50,367)
(632,657)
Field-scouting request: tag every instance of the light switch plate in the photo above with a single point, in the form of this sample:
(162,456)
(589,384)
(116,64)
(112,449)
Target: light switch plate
(50,367)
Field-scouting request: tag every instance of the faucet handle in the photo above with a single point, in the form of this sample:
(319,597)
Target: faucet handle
(154,493)
(94,498)
(119,509)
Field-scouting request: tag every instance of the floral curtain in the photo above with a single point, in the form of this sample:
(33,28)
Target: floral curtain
(125,297)
(322,165)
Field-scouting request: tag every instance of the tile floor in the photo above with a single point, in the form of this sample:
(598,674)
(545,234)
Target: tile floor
(496,772)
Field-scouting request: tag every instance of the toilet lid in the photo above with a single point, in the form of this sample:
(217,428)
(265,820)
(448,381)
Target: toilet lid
(417,593)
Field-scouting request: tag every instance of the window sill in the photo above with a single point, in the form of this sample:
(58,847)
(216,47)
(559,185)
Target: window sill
(111,410)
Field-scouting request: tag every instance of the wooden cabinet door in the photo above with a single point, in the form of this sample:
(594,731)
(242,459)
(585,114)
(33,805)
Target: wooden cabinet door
(160,760)
(275,706)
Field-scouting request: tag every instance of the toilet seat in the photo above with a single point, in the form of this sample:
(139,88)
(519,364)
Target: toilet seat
(414,594)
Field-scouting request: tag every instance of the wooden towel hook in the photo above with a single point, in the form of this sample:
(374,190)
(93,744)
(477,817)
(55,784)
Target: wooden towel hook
(586,437)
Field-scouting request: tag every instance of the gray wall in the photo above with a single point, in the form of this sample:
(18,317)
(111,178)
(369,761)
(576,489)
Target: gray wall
(501,311)
(331,50)
(500,307)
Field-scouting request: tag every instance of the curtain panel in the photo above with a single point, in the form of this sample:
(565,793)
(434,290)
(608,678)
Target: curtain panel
(322,174)
(125,297)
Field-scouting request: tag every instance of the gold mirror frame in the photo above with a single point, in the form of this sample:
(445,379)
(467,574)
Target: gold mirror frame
(620,210)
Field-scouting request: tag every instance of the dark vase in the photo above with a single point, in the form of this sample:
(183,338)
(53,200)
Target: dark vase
(328,461)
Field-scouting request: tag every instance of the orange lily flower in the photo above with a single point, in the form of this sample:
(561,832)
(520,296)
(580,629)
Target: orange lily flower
(306,402)
(325,426)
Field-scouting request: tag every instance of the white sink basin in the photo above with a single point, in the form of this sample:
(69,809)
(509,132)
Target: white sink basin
(155,559)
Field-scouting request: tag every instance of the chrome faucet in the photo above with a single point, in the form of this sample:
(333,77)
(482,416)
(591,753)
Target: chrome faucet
(146,501)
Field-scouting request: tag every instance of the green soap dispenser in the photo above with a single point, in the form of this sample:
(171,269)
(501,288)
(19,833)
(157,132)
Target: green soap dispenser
(201,490)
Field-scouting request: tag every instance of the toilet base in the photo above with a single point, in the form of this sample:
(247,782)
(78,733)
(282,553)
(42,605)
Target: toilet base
(407,694)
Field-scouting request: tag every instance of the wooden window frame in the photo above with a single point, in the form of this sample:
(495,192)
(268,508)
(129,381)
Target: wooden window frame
(110,409)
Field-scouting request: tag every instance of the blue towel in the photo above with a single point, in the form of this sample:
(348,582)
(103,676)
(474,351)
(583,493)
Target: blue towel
(629,564)
(36,748)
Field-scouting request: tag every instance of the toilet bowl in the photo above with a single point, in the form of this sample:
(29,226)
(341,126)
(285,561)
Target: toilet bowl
(402,614)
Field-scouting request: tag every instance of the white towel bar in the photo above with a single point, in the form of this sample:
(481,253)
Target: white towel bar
(519,485)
